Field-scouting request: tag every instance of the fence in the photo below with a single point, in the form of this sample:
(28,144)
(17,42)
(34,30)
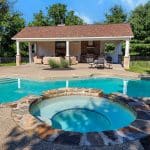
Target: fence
(136,57)
(12,59)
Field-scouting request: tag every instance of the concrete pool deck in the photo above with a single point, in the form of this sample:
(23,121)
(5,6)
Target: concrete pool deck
(43,72)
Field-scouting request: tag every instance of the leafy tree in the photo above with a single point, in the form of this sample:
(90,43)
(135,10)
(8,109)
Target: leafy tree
(4,7)
(72,19)
(10,24)
(3,10)
(140,22)
(57,14)
(39,20)
(116,15)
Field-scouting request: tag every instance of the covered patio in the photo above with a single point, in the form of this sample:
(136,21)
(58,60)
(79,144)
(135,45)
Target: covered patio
(75,43)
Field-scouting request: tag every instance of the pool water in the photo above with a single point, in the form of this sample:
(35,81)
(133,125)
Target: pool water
(14,89)
(82,113)
(86,120)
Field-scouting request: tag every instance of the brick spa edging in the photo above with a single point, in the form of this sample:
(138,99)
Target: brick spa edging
(138,129)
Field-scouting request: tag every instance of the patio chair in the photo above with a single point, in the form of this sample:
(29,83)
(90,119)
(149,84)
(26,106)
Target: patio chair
(108,63)
(100,63)
(90,61)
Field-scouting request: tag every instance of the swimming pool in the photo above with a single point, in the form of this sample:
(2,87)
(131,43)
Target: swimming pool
(82,113)
(14,89)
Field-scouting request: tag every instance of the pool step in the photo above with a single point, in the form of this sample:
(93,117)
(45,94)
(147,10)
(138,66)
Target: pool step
(7,80)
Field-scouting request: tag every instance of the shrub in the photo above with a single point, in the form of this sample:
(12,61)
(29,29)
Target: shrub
(64,63)
(53,63)
(109,47)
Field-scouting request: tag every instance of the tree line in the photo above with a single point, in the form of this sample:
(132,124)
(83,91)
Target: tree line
(11,22)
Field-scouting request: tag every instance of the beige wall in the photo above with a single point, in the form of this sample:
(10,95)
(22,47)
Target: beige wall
(46,48)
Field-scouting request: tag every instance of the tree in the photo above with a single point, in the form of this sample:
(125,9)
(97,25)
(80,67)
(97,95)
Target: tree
(39,20)
(3,10)
(57,14)
(4,7)
(10,24)
(72,19)
(116,15)
(140,22)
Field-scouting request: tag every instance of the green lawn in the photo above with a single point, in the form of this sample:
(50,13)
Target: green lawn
(140,66)
(9,64)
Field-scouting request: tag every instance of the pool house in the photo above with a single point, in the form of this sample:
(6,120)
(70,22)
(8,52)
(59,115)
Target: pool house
(75,43)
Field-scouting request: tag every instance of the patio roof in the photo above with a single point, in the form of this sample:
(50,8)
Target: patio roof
(75,32)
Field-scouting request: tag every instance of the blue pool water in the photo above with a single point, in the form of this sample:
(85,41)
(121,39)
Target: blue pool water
(82,113)
(14,89)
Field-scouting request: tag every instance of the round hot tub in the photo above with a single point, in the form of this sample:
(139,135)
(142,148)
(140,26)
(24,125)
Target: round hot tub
(82,113)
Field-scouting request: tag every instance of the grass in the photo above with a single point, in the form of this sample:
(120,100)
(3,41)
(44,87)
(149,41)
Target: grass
(140,67)
(9,64)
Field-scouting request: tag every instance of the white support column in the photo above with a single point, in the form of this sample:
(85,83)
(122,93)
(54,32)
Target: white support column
(17,46)
(127,48)
(30,52)
(127,55)
(67,49)
(18,57)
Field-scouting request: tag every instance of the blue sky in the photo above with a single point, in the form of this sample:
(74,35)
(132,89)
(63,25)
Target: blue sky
(90,10)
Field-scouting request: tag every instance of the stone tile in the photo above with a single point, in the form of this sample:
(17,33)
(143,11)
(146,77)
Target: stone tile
(143,115)
(95,139)
(143,125)
(68,138)
(139,106)
(131,133)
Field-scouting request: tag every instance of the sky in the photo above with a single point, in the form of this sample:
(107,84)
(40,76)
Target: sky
(89,10)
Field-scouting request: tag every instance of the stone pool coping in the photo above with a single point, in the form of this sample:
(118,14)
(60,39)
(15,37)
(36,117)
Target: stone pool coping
(138,129)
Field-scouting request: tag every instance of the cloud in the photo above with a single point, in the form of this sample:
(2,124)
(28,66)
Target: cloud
(130,3)
(86,19)
(133,3)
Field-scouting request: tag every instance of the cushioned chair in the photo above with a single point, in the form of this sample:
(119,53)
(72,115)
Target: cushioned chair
(37,59)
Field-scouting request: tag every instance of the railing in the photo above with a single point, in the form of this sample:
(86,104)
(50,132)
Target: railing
(12,59)
(136,57)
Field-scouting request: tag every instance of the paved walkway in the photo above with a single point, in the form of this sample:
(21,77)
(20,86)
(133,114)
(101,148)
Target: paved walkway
(44,72)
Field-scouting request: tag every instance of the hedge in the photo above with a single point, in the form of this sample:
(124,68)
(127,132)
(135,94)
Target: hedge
(141,49)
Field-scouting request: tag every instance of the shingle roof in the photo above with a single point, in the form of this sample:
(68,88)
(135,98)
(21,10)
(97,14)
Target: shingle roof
(106,30)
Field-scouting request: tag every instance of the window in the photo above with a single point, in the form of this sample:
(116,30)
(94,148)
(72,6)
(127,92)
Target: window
(90,43)
(60,49)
